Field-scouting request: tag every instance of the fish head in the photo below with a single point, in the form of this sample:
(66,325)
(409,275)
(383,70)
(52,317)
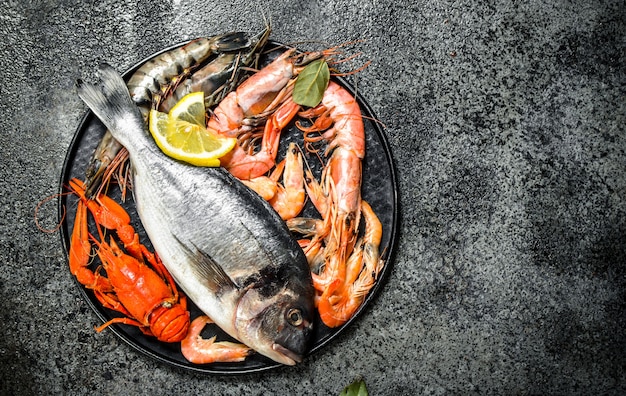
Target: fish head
(278,326)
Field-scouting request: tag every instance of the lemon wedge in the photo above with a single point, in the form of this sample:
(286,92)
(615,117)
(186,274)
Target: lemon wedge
(181,133)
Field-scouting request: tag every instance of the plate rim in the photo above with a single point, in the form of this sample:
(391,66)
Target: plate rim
(389,254)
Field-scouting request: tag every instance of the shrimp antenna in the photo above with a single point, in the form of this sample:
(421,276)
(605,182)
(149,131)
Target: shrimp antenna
(267,21)
(43,202)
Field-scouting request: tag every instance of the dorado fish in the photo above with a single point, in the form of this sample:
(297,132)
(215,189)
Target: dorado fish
(224,245)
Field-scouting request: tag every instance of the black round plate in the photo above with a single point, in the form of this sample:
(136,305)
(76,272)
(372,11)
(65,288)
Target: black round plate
(378,188)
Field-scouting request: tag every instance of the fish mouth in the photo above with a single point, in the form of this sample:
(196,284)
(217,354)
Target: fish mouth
(289,357)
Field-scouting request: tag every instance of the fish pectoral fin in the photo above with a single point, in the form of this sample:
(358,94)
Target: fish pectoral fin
(211,272)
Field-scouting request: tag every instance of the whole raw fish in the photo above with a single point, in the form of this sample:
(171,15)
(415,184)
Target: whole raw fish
(223,244)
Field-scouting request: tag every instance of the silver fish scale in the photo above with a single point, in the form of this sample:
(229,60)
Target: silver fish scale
(210,210)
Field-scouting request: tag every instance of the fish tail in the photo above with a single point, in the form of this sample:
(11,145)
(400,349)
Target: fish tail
(111,102)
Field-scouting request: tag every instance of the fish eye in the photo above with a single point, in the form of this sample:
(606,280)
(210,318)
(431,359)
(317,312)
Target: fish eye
(294,316)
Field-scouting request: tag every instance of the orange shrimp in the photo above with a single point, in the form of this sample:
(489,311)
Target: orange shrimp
(350,265)
(338,196)
(287,198)
(341,180)
(265,186)
(290,195)
(263,99)
(313,247)
(201,351)
(340,300)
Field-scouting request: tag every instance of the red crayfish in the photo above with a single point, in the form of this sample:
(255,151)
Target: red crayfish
(136,284)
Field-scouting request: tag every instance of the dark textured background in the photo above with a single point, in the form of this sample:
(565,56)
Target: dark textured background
(507,124)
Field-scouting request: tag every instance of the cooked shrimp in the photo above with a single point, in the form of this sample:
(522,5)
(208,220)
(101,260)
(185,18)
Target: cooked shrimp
(201,351)
(290,195)
(340,300)
(262,101)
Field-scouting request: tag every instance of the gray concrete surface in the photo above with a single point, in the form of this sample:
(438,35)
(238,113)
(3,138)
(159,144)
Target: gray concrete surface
(507,123)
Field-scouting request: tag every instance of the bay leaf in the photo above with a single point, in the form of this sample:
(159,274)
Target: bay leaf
(357,388)
(311,84)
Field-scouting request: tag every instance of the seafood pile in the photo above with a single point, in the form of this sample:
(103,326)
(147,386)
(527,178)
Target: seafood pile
(232,238)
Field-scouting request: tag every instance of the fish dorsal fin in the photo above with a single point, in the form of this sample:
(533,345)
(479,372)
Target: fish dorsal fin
(209,271)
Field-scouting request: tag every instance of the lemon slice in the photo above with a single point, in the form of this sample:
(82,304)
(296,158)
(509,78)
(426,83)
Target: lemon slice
(182,135)
(190,109)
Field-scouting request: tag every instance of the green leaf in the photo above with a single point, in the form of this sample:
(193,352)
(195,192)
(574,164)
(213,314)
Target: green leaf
(311,84)
(357,388)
